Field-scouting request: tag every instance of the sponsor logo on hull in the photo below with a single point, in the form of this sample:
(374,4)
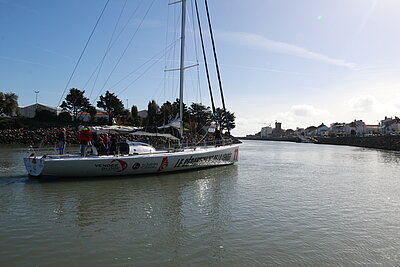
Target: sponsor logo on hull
(116,165)
(164,164)
(136,166)
(204,160)
(236,154)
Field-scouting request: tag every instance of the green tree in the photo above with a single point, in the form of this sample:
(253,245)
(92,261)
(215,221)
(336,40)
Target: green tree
(166,113)
(153,111)
(64,117)
(45,115)
(200,114)
(175,110)
(135,119)
(220,118)
(125,116)
(75,102)
(111,104)
(92,112)
(8,103)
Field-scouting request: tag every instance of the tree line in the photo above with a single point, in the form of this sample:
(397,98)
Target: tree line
(196,115)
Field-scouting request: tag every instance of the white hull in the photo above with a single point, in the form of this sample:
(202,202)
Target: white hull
(98,166)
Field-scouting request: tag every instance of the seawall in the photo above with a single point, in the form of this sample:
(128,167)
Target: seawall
(387,142)
(279,139)
(379,142)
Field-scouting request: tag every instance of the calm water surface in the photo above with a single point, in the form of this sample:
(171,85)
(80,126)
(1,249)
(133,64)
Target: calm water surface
(282,204)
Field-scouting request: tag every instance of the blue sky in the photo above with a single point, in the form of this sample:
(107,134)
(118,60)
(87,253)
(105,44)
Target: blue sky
(298,62)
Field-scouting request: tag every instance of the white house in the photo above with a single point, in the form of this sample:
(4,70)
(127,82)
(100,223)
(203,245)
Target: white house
(30,111)
(357,127)
(266,132)
(311,131)
(338,129)
(389,125)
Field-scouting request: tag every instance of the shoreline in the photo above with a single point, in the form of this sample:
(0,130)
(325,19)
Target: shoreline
(277,139)
(386,142)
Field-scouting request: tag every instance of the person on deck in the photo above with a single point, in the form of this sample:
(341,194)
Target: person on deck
(85,137)
(218,137)
(95,138)
(101,148)
(62,140)
(113,145)
(106,140)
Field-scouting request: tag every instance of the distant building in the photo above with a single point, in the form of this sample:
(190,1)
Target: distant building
(299,131)
(310,131)
(390,125)
(30,111)
(143,114)
(289,132)
(357,127)
(266,132)
(277,131)
(338,129)
(322,130)
(85,116)
(371,129)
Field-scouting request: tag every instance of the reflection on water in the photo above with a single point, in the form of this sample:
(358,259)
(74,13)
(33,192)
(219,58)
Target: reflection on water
(389,156)
(282,204)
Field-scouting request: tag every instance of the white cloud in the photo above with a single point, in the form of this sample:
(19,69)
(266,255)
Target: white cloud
(303,115)
(306,111)
(365,104)
(260,42)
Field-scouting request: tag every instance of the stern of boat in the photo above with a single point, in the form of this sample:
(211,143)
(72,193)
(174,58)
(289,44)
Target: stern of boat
(34,165)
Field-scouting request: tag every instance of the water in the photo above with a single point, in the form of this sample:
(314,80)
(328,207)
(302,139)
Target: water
(282,204)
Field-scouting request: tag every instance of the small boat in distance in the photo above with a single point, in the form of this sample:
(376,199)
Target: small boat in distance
(134,157)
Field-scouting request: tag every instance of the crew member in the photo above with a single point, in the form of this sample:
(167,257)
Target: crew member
(106,140)
(218,137)
(85,137)
(62,140)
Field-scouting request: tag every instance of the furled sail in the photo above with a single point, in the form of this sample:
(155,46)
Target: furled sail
(174,124)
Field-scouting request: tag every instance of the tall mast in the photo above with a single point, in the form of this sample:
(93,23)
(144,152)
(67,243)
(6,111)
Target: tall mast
(217,68)
(182,69)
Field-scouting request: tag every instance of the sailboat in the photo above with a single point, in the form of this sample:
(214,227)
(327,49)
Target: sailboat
(135,157)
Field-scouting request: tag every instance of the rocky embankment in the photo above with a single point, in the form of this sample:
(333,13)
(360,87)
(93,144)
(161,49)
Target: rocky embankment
(48,136)
(387,142)
(45,136)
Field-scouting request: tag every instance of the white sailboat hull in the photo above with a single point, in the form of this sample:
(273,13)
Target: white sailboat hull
(158,162)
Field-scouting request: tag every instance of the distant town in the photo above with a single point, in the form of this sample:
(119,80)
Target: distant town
(356,128)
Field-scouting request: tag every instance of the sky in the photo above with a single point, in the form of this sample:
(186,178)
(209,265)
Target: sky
(301,63)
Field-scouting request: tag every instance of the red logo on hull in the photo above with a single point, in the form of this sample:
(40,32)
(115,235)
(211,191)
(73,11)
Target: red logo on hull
(123,164)
(236,154)
(164,164)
